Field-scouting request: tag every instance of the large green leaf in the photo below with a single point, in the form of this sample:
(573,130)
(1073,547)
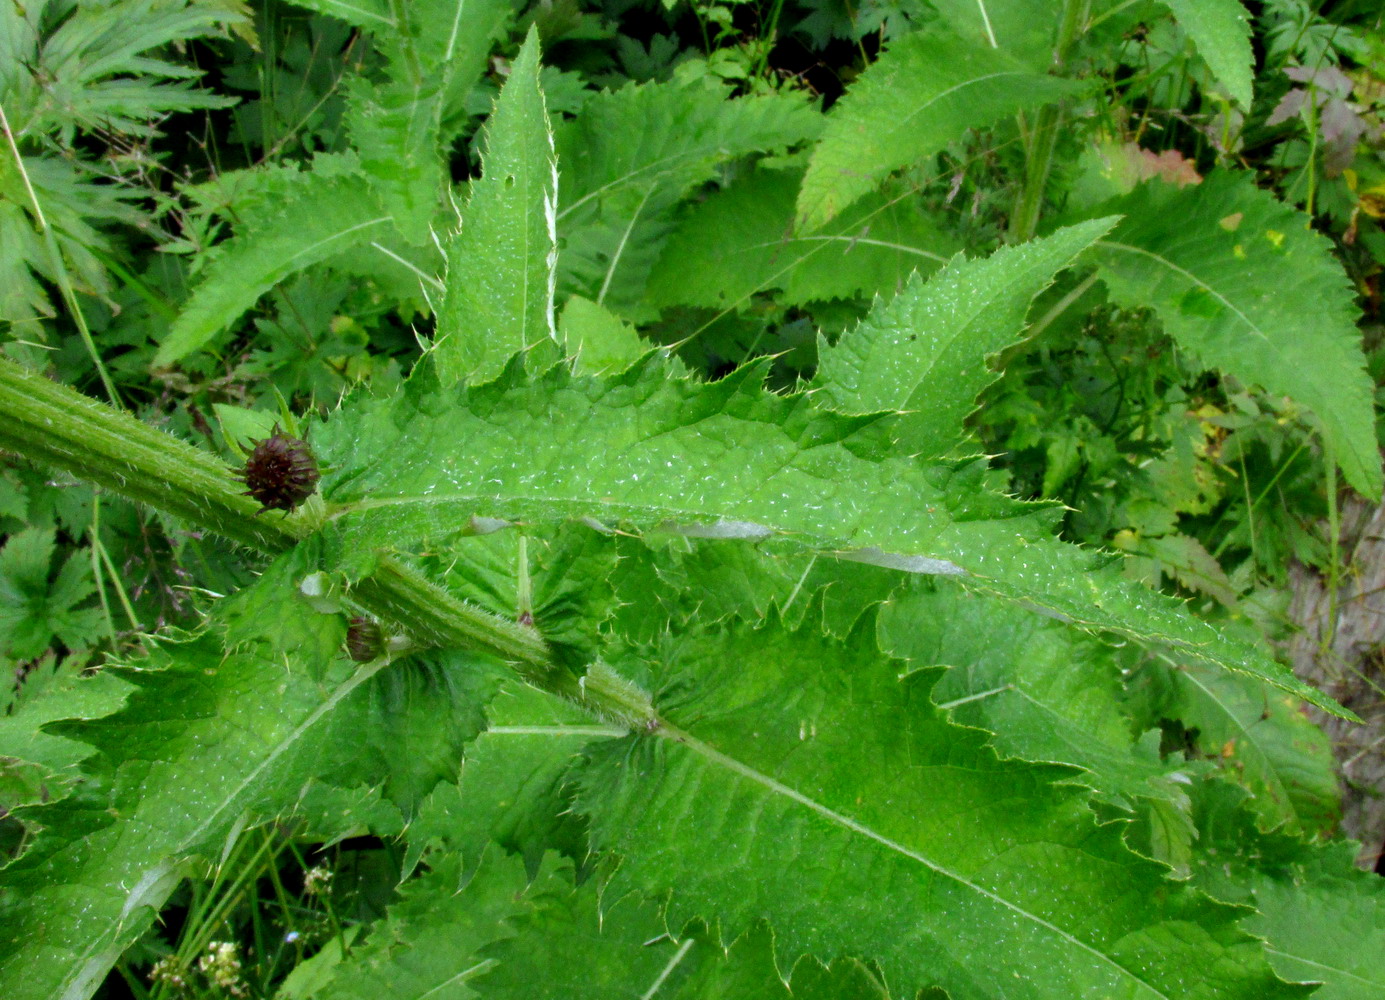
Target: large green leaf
(1026,28)
(1322,917)
(561,586)
(323,213)
(727,460)
(665,582)
(431,44)
(37,765)
(402,125)
(394,129)
(219,726)
(261,715)
(804,781)
(1046,693)
(512,786)
(392,188)
(599,340)
(1221,31)
(1245,286)
(926,350)
(631,155)
(871,249)
(501,264)
(1264,738)
(924,92)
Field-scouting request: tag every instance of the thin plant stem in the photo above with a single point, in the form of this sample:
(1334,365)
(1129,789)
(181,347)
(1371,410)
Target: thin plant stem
(1044,140)
(96,571)
(60,267)
(1334,528)
(103,555)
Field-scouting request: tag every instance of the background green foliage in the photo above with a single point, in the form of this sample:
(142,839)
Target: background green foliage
(779,358)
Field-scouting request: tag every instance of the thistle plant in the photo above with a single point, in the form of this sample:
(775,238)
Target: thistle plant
(673,686)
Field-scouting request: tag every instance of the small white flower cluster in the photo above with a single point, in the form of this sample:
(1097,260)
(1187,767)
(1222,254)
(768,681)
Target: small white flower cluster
(169,970)
(221,965)
(317,880)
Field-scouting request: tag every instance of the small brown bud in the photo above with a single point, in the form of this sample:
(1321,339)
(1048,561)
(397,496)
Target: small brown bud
(364,639)
(281,472)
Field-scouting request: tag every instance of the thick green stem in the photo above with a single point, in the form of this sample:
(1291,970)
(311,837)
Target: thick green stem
(51,423)
(1038,160)
(434,617)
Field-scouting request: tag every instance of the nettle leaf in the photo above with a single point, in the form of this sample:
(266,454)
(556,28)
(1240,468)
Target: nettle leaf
(632,154)
(870,249)
(1240,281)
(1221,31)
(1268,744)
(1021,27)
(568,598)
(369,15)
(447,41)
(501,264)
(412,722)
(925,350)
(400,127)
(324,214)
(394,129)
(664,582)
(34,609)
(924,92)
(803,780)
(513,785)
(37,765)
(442,43)
(1322,917)
(727,460)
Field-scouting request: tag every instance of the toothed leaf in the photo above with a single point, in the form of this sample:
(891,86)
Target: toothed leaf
(1242,283)
(726,460)
(923,92)
(809,810)
(501,264)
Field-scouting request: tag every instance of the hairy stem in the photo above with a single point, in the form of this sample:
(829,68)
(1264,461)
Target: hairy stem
(53,424)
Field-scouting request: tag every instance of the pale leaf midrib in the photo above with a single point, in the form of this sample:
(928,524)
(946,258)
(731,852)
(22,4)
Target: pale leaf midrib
(1277,783)
(853,826)
(1320,965)
(78,969)
(1250,326)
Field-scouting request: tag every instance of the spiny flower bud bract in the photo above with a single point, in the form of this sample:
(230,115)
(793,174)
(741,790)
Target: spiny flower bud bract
(281,472)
